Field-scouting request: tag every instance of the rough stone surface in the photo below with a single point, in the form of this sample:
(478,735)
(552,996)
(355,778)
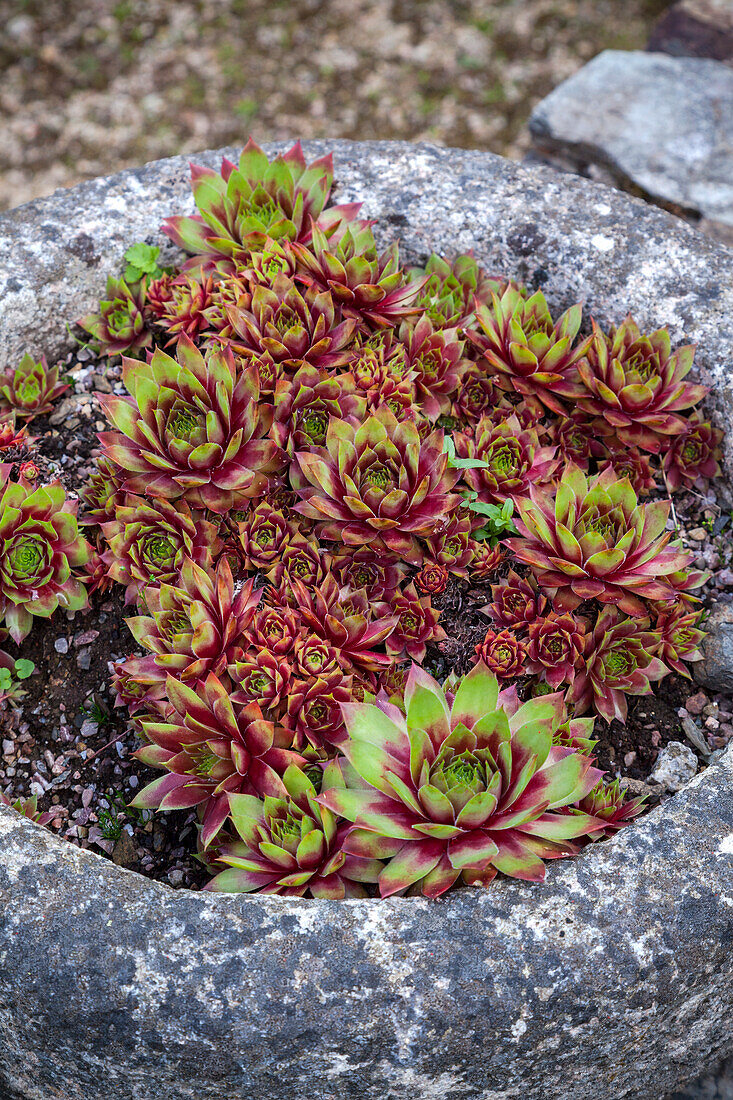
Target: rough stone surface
(662,124)
(716,668)
(718,1086)
(696,28)
(615,977)
(675,767)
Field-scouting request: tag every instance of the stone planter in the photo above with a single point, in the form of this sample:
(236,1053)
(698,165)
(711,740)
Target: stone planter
(614,979)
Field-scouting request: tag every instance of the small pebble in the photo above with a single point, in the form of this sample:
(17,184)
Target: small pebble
(675,766)
(61,645)
(699,534)
(175,877)
(696,703)
(8,747)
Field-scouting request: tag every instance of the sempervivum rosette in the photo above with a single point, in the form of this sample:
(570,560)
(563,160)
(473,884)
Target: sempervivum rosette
(467,790)
(370,288)
(40,550)
(244,204)
(149,541)
(528,352)
(637,384)
(435,362)
(694,455)
(305,403)
(31,389)
(451,290)
(191,428)
(193,627)
(290,327)
(210,747)
(119,326)
(593,540)
(618,660)
(511,455)
(291,846)
(375,482)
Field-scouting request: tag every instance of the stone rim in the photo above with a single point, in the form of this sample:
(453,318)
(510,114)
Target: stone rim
(686,845)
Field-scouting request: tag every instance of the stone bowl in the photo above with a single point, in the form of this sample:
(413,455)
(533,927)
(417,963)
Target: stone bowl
(613,979)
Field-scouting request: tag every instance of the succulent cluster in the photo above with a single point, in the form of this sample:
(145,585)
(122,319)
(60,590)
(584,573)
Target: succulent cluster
(317,451)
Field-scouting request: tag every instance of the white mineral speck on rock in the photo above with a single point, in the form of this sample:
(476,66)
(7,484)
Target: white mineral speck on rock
(603,244)
(675,767)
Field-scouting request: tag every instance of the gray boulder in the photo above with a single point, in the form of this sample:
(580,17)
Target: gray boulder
(662,125)
(613,979)
(716,668)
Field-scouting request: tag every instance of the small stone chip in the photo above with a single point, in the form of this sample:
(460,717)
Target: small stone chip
(61,645)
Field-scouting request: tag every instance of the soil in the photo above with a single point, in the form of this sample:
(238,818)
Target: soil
(67,743)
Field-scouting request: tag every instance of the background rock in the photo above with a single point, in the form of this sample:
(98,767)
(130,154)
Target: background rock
(663,125)
(716,668)
(675,766)
(696,28)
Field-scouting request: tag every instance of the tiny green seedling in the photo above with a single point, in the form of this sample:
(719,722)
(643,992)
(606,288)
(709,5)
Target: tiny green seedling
(142,259)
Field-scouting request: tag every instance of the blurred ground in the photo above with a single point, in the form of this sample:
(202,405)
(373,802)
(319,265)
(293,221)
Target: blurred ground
(88,88)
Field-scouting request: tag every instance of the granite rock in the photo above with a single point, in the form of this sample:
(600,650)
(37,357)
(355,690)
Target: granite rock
(660,124)
(716,668)
(675,766)
(695,28)
(613,979)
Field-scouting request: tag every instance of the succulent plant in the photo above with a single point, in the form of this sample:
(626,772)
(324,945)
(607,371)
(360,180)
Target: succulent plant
(466,790)
(510,456)
(291,327)
(432,578)
(631,463)
(618,661)
(185,309)
(291,846)
(314,710)
(28,807)
(636,384)
(451,290)
(275,627)
(417,623)
(302,559)
(610,804)
(194,626)
(348,627)
(263,535)
(41,554)
(377,573)
(375,482)
(139,686)
(556,647)
(485,559)
(305,403)
(369,288)
(102,493)
(516,601)
(477,394)
(680,637)
(210,746)
(31,389)
(593,540)
(436,364)
(149,541)
(119,325)
(450,544)
(192,428)
(13,438)
(242,206)
(504,654)
(378,368)
(694,455)
(578,440)
(529,353)
(261,677)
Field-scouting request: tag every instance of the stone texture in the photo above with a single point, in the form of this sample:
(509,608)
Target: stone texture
(675,766)
(663,125)
(716,668)
(696,28)
(718,1086)
(614,978)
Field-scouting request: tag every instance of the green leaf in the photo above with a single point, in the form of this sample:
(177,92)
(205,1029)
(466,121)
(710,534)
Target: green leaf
(5,679)
(23,668)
